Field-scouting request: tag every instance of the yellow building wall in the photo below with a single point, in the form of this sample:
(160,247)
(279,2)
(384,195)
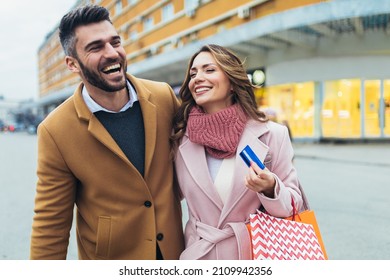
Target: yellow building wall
(341,112)
(130,19)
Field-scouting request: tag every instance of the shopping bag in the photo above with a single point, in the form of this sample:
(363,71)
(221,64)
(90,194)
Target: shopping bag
(309,217)
(294,238)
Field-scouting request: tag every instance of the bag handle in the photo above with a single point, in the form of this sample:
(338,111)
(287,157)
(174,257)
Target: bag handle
(295,212)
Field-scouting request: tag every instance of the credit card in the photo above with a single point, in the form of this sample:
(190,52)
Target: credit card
(248,155)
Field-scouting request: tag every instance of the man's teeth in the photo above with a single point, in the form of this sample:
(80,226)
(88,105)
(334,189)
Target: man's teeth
(111,67)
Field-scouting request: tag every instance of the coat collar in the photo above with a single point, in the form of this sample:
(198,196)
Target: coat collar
(195,160)
(101,134)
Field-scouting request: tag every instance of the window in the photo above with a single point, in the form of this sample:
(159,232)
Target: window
(167,12)
(386,101)
(341,109)
(191,4)
(118,7)
(372,107)
(148,23)
(133,35)
(291,104)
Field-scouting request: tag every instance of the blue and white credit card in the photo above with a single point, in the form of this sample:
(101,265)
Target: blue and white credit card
(248,155)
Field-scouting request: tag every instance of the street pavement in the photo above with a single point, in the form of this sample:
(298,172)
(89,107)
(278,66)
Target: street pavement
(372,153)
(18,156)
(347,186)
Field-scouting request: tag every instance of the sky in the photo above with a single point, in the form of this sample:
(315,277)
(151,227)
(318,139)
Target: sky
(24,25)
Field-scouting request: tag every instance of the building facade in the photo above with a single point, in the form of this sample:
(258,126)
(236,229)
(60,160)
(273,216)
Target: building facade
(322,66)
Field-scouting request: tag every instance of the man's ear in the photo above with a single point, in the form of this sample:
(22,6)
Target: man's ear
(72,64)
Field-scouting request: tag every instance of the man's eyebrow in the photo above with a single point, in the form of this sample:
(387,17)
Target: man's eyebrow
(116,37)
(97,42)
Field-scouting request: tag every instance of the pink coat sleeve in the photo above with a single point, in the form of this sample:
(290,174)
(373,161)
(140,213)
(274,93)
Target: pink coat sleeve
(280,162)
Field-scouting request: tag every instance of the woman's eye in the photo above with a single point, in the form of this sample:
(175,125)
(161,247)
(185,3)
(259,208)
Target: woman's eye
(192,75)
(210,70)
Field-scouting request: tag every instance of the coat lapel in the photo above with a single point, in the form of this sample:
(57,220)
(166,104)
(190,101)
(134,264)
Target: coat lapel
(102,135)
(250,136)
(149,112)
(95,127)
(198,169)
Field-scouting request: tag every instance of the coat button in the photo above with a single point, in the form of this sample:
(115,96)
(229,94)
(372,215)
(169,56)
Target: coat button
(147,203)
(160,236)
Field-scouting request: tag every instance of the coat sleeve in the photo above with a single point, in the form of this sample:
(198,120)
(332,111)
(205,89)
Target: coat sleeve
(287,183)
(54,201)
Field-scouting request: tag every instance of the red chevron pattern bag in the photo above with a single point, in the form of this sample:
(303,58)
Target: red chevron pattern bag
(281,239)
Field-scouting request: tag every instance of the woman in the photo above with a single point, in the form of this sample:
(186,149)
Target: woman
(218,117)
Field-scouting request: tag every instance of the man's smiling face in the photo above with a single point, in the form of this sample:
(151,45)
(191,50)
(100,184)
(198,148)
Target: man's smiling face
(100,56)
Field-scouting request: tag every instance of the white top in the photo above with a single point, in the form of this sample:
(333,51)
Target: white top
(221,171)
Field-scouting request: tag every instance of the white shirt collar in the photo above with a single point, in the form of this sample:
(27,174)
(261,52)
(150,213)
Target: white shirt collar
(94,107)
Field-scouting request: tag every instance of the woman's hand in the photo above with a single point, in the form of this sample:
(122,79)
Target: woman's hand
(262,181)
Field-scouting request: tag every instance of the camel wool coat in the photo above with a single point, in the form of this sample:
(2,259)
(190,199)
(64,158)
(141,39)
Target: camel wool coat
(217,231)
(120,214)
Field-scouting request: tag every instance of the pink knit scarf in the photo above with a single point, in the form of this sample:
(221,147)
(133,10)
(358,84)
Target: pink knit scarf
(218,132)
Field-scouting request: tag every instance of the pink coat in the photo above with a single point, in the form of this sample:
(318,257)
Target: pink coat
(218,231)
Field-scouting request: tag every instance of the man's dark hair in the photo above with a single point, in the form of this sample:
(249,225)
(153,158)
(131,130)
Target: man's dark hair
(80,16)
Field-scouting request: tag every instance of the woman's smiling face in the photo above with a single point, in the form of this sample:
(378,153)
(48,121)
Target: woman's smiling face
(209,85)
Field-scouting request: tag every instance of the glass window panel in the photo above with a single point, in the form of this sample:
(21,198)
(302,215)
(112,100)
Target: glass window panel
(341,109)
(118,7)
(167,12)
(371,108)
(148,23)
(386,97)
(292,105)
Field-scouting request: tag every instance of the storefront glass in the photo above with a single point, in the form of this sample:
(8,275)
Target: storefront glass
(386,97)
(341,109)
(291,104)
(372,108)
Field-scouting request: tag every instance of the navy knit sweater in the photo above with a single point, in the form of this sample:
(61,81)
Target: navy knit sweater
(127,129)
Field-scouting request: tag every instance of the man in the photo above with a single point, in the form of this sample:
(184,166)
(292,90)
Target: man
(106,150)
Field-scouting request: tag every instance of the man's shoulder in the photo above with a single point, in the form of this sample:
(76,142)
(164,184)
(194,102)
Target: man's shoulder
(156,92)
(61,111)
(149,84)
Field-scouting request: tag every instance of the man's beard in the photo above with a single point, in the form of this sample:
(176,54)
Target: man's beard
(97,81)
